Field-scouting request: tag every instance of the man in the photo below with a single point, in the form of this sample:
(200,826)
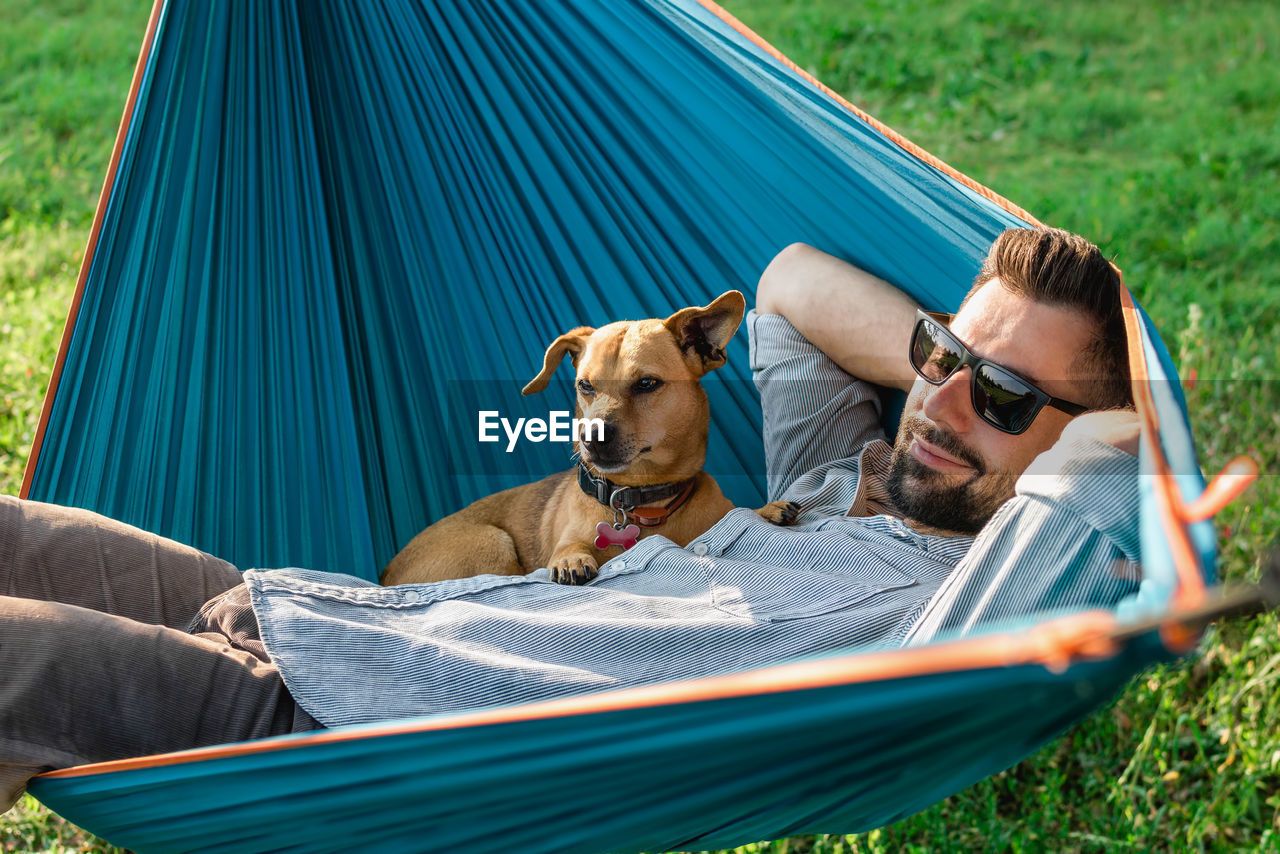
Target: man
(886,551)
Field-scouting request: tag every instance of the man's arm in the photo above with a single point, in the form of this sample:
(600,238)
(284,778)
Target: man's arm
(814,413)
(860,321)
(1067,540)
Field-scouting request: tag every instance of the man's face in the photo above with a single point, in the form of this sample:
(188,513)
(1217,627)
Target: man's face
(951,470)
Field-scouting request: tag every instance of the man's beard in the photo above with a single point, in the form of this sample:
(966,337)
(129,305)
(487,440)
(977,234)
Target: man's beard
(926,495)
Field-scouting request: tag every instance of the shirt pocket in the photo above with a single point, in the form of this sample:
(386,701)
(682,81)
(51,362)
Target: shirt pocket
(773,574)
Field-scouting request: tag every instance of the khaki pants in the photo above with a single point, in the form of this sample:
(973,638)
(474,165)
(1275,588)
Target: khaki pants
(117,643)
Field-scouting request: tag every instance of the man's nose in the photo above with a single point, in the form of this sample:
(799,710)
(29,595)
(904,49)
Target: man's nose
(949,405)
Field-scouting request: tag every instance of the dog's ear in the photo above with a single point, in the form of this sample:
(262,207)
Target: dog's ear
(703,333)
(574,341)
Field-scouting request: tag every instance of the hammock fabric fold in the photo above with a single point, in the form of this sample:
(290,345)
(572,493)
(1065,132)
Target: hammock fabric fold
(335,231)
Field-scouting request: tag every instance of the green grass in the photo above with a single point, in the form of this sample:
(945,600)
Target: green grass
(1150,128)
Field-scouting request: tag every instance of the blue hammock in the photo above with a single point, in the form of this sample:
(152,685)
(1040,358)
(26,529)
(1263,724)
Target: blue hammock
(336,230)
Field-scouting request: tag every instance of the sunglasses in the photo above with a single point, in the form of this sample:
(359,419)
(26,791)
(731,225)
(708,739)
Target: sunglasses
(1000,397)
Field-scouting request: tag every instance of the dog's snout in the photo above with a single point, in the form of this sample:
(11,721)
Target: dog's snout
(601,437)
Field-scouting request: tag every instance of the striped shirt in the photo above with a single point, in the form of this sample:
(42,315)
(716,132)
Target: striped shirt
(745,594)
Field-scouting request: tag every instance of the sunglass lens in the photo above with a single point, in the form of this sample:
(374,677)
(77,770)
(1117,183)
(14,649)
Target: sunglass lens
(1004,400)
(932,353)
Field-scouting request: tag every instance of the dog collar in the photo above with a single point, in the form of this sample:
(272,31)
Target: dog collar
(627,499)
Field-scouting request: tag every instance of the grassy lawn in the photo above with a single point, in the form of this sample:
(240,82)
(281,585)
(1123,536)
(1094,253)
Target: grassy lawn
(1153,129)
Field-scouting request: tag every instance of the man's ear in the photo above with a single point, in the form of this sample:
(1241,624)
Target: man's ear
(574,341)
(703,333)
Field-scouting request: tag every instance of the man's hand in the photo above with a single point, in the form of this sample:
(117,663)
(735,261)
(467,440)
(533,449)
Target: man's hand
(1119,428)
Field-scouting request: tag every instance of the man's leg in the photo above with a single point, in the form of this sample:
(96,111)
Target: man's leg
(62,554)
(94,662)
(80,686)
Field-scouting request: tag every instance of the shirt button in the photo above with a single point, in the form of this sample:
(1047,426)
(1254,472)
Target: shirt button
(619,564)
(700,549)
(412,596)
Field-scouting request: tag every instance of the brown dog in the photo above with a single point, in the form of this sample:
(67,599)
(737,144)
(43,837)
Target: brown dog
(643,475)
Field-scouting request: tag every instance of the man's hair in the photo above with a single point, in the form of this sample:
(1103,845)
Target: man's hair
(1059,268)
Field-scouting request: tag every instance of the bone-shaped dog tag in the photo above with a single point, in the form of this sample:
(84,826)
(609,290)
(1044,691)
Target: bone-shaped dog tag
(608,535)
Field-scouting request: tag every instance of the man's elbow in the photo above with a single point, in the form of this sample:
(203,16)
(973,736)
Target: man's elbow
(780,280)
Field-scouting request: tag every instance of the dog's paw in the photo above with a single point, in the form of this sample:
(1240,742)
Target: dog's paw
(780,512)
(573,568)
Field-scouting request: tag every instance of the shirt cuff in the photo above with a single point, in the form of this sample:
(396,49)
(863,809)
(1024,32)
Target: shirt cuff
(772,338)
(1096,481)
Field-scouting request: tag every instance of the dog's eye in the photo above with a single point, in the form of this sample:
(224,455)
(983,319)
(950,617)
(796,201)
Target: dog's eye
(645,384)
(585,387)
